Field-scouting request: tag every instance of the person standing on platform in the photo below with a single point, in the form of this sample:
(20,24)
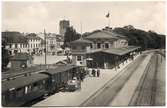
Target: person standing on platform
(93,72)
(98,72)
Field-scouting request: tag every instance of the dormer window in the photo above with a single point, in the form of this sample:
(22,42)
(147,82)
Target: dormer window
(106,45)
(98,45)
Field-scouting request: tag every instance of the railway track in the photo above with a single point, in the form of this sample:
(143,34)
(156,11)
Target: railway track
(106,94)
(145,92)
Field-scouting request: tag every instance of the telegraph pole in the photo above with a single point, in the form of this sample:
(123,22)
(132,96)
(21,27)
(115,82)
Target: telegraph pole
(45,46)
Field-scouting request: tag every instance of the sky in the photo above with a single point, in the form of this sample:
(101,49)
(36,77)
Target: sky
(35,16)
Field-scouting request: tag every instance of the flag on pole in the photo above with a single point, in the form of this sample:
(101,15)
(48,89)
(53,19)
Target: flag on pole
(108,15)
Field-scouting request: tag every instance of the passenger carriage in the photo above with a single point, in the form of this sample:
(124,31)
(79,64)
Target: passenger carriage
(25,88)
(59,77)
(19,91)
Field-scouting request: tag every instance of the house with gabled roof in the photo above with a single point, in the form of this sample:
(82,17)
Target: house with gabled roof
(15,41)
(104,49)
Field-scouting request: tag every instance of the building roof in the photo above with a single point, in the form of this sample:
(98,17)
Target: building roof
(21,71)
(117,51)
(33,36)
(81,40)
(101,35)
(21,56)
(61,68)
(121,51)
(114,34)
(22,81)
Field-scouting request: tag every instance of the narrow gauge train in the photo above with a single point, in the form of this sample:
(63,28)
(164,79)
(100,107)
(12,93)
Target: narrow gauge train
(22,90)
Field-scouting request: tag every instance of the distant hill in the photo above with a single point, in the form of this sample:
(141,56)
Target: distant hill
(142,38)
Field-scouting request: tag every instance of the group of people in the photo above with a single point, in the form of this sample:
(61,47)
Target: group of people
(93,72)
(96,73)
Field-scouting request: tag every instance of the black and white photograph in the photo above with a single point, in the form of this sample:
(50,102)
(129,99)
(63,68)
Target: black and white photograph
(83,53)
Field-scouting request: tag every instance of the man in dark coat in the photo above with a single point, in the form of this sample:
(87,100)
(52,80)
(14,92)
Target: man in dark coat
(93,72)
(98,72)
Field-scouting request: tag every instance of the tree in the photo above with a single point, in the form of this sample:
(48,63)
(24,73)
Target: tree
(142,38)
(70,35)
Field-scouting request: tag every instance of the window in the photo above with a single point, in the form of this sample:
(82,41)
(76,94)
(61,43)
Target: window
(12,94)
(83,47)
(98,45)
(74,47)
(35,86)
(20,92)
(91,46)
(79,58)
(15,45)
(106,45)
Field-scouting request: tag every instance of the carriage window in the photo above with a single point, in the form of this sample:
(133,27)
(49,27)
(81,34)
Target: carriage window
(3,97)
(20,92)
(29,88)
(35,87)
(12,94)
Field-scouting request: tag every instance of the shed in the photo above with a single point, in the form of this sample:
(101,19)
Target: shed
(21,60)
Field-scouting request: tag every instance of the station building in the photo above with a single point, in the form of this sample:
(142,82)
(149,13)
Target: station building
(103,48)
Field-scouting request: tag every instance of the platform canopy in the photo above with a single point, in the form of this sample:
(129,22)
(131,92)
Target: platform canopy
(117,51)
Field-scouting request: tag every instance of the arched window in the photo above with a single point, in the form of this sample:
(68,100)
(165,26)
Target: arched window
(98,45)
(106,45)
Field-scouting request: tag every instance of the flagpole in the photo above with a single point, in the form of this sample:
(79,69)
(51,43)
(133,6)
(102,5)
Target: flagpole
(81,28)
(109,19)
